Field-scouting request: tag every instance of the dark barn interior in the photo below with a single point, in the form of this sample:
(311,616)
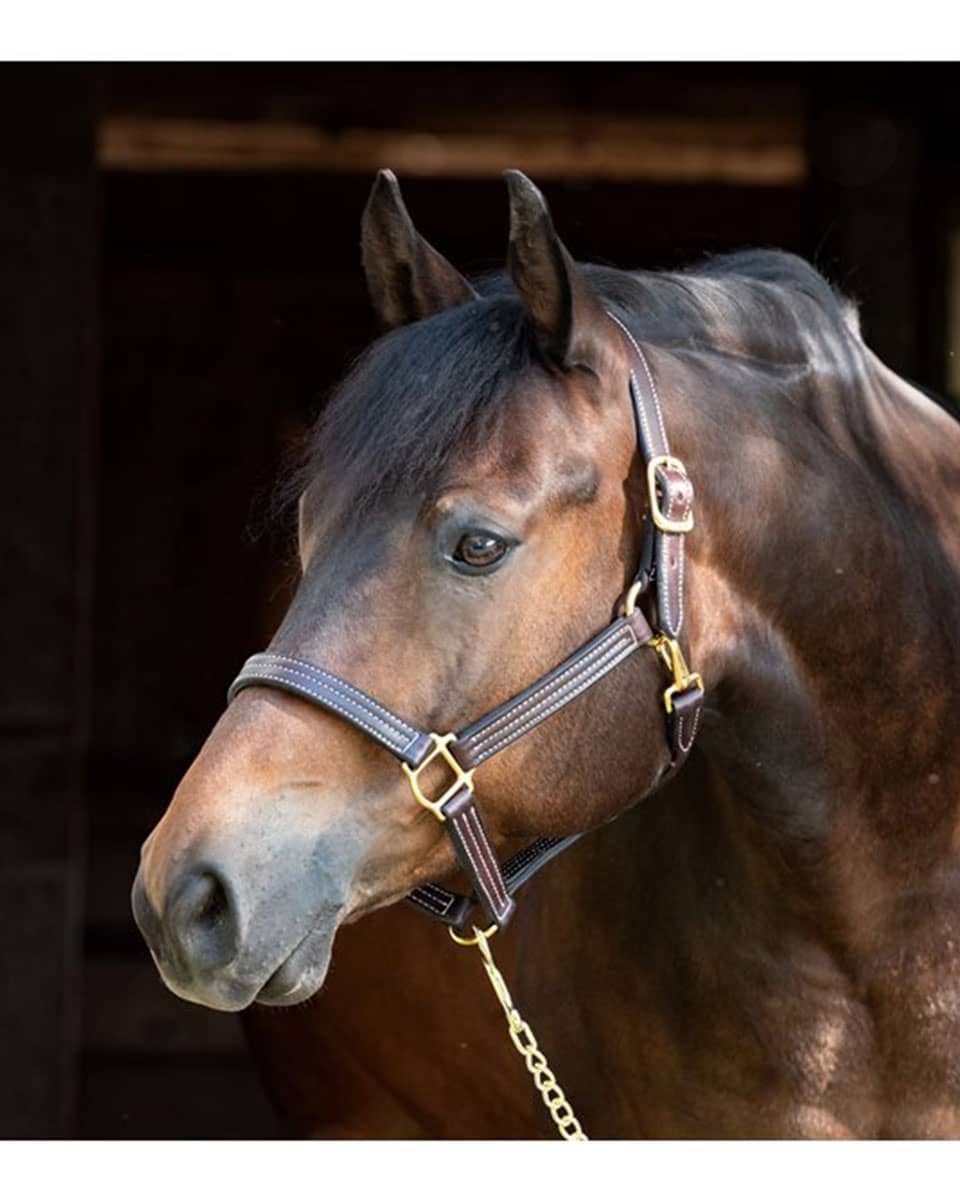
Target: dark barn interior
(180,285)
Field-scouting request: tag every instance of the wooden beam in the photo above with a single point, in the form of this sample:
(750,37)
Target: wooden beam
(749,150)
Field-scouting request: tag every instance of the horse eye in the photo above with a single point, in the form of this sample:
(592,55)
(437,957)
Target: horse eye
(479,549)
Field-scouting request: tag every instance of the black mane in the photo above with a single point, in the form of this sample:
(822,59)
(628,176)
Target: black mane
(424,390)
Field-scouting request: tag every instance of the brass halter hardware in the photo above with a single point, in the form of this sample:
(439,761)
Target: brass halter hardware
(668,648)
(664,523)
(683,678)
(461,778)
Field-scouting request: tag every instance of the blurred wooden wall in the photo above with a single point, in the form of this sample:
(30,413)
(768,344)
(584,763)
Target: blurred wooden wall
(48,432)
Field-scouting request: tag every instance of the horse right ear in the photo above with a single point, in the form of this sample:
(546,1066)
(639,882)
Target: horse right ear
(408,280)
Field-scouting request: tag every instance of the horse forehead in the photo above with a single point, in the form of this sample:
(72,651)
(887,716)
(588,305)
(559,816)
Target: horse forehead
(551,427)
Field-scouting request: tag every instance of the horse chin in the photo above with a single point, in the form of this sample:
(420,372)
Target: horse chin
(228,996)
(302,972)
(258,976)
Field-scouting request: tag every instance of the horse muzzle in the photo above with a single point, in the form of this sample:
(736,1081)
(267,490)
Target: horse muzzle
(229,925)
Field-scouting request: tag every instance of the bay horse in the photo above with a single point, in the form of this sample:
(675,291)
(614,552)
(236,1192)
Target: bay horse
(769,946)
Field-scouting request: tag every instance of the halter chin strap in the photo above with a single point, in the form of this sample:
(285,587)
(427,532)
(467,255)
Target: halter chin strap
(453,803)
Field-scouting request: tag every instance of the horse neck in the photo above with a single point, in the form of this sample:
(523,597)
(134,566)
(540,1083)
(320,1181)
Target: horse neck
(820,802)
(824,587)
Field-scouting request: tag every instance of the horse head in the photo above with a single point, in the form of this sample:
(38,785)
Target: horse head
(470,511)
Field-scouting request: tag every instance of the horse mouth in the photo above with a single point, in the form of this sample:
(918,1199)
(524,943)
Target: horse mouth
(302,972)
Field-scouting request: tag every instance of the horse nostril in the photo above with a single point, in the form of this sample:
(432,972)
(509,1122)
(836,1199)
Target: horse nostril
(211,907)
(202,921)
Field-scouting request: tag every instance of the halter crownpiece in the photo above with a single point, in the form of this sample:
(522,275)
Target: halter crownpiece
(669,519)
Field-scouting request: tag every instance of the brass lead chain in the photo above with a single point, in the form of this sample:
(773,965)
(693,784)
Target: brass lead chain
(544,1080)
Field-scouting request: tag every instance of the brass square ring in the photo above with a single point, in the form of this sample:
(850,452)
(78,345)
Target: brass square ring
(461,778)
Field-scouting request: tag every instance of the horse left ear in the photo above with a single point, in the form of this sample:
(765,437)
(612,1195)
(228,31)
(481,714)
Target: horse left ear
(567,315)
(408,280)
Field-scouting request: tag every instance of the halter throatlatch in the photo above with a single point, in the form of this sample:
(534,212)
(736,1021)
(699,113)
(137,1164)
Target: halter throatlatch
(669,519)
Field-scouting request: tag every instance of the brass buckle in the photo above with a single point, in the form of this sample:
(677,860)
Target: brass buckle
(461,777)
(683,678)
(659,517)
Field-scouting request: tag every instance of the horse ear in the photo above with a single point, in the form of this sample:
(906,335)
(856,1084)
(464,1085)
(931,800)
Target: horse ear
(407,278)
(565,311)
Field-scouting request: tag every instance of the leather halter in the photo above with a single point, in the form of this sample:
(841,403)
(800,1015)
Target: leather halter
(669,519)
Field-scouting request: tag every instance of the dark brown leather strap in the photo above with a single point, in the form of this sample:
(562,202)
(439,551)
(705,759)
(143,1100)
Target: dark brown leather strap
(525,711)
(300,678)
(683,723)
(676,504)
(477,856)
(673,495)
(669,518)
(453,908)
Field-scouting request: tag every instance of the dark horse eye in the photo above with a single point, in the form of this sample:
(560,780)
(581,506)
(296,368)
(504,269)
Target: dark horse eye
(479,550)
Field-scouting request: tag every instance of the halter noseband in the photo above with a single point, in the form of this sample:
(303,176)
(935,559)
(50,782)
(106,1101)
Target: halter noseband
(669,519)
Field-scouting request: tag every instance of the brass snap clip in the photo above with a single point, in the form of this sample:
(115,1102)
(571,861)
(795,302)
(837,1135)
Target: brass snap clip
(683,678)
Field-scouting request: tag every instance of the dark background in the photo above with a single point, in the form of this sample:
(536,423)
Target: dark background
(179,284)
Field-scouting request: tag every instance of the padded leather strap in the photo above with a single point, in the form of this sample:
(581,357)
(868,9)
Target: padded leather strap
(453,908)
(525,711)
(676,503)
(673,484)
(303,679)
(477,856)
(683,724)
(662,554)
